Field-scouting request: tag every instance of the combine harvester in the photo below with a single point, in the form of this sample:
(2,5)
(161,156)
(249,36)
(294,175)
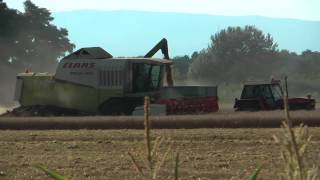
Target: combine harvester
(90,81)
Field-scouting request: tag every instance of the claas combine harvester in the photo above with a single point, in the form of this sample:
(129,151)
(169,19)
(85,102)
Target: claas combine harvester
(90,81)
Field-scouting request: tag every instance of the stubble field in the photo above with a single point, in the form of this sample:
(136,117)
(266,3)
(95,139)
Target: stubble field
(102,154)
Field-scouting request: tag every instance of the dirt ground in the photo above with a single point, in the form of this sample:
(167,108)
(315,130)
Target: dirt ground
(102,154)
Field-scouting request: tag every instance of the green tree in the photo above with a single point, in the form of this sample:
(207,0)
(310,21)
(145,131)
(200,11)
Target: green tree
(28,40)
(180,68)
(10,22)
(204,67)
(236,54)
(237,43)
(43,42)
(309,65)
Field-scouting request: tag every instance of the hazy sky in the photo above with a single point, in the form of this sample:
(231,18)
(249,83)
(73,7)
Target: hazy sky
(297,9)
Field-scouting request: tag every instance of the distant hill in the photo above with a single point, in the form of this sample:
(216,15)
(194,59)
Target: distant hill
(130,33)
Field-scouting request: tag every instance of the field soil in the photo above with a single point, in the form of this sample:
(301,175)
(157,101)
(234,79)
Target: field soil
(103,154)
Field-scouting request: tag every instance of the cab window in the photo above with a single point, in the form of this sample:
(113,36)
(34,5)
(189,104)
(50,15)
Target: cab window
(146,77)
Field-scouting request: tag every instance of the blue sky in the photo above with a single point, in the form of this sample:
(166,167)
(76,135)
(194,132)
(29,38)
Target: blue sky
(179,28)
(295,9)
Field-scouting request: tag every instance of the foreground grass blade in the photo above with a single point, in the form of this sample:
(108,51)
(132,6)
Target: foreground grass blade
(254,175)
(136,165)
(176,168)
(50,173)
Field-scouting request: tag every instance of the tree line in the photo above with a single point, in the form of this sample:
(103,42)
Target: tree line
(240,54)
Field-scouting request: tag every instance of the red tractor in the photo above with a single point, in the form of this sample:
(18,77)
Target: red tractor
(269,96)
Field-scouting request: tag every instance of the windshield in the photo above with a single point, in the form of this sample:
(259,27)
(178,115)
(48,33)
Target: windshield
(250,92)
(276,91)
(256,91)
(146,77)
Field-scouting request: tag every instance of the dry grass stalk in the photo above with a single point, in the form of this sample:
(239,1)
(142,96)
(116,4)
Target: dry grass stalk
(161,159)
(136,165)
(154,158)
(147,129)
(292,137)
(176,167)
(294,143)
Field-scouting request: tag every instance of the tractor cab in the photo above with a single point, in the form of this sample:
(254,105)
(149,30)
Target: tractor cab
(259,96)
(268,96)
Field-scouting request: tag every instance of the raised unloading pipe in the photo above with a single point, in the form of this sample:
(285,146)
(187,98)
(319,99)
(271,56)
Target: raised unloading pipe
(163,46)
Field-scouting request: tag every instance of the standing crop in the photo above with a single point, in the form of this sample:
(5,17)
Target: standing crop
(294,154)
(153,157)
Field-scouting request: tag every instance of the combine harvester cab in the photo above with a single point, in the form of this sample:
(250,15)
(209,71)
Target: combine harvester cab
(269,96)
(90,81)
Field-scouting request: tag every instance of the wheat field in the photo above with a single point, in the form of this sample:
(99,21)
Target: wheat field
(102,154)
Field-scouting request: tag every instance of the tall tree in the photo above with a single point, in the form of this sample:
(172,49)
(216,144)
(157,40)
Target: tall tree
(204,67)
(10,21)
(238,43)
(45,42)
(309,65)
(180,68)
(235,54)
(28,40)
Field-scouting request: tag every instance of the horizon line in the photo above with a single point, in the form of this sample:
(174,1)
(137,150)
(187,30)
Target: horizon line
(186,13)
